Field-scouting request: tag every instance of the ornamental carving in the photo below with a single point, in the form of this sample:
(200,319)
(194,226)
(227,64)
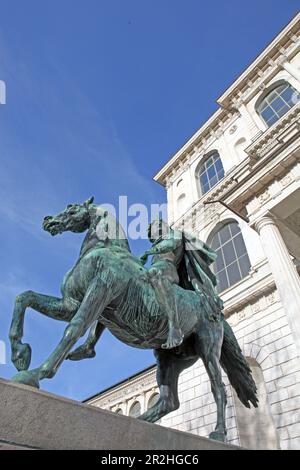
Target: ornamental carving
(232,129)
(246,311)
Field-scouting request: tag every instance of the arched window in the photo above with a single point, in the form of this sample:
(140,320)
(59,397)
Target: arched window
(211,172)
(278,100)
(255,425)
(232,263)
(135,409)
(153,400)
(119,411)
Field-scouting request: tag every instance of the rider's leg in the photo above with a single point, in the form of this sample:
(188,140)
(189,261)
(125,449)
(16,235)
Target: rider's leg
(53,307)
(87,349)
(167,299)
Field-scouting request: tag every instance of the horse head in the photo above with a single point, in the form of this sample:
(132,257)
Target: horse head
(75,218)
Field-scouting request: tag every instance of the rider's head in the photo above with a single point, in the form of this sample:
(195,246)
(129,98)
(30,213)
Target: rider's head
(157,229)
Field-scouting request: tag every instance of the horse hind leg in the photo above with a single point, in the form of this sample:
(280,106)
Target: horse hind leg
(209,347)
(53,307)
(169,367)
(87,349)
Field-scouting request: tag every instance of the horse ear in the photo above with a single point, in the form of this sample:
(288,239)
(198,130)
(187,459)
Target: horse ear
(89,201)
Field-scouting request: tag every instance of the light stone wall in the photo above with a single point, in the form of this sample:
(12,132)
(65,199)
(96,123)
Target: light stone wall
(265,322)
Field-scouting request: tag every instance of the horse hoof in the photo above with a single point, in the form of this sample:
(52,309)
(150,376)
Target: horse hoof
(81,353)
(218,436)
(22,357)
(27,378)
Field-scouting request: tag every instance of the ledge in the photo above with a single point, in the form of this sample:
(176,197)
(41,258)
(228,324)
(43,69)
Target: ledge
(34,419)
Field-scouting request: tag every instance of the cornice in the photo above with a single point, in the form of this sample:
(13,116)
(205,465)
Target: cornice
(285,45)
(117,393)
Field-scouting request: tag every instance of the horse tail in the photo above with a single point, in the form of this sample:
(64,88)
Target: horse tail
(237,369)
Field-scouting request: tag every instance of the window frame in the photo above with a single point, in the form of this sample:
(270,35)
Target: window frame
(238,255)
(275,112)
(203,168)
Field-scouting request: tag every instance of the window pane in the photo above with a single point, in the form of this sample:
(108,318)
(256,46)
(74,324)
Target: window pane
(220,173)
(222,281)
(219,262)
(205,188)
(271,97)
(234,228)
(277,104)
(225,234)
(283,110)
(203,178)
(267,113)
(211,172)
(218,163)
(213,181)
(273,120)
(228,252)
(239,245)
(287,94)
(233,273)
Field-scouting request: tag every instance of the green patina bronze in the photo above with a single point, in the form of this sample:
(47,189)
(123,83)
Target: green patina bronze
(172,308)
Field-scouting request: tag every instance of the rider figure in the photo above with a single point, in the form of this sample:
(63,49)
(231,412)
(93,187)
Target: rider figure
(167,251)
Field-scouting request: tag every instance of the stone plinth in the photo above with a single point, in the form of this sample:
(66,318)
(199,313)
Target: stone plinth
(30,418)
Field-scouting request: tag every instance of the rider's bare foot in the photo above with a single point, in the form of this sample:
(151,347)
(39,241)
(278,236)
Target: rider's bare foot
(175,338)
(82,352)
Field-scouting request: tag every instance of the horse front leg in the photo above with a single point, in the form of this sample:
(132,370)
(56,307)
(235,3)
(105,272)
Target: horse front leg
(95,300)
(53,307)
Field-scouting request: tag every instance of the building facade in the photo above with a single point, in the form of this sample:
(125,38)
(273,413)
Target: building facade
(236,184)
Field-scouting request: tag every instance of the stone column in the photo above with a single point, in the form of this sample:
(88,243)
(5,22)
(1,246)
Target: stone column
(285,274)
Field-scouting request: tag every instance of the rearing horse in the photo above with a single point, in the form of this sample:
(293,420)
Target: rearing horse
(108,287)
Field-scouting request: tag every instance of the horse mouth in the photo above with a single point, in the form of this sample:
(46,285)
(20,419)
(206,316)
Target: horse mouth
(53,227)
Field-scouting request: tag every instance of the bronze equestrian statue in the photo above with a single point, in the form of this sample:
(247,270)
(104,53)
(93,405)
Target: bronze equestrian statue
(172,308)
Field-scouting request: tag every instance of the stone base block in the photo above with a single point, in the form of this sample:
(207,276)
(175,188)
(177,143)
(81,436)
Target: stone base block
(33,419)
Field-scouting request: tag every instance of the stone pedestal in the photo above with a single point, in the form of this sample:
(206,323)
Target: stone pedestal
(32,419)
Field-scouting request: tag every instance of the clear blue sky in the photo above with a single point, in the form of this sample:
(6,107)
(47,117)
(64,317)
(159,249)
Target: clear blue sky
(100,93)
